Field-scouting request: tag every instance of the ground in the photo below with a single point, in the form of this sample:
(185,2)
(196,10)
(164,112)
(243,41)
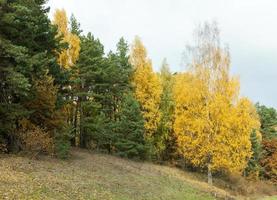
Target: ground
(89,175)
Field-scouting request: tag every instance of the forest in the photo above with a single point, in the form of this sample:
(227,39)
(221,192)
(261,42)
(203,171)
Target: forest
(59,89)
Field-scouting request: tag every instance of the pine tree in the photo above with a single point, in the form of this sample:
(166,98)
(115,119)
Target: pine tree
(27,52)
(164,137)
(118,72)
(75,26)
(253,167)
(89,90)
(129,140)
(100,86)
(268,117)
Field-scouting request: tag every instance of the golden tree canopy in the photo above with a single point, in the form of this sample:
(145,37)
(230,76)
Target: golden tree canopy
(147,87)
(212,124)
(69,56)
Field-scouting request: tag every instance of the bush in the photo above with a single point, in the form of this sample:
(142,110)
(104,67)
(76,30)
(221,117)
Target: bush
(35,139)
(3,145)
(241,186)
(62,148)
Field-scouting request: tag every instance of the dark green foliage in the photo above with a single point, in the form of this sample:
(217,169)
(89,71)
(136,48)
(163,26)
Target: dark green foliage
(34,87)
(253,167)
(27,53)
(88,87)
(164,139)
(62,148)
(62,139)
(117,78)
(100,86)
(14,85)
(75,26)
(129,139)
(268,118)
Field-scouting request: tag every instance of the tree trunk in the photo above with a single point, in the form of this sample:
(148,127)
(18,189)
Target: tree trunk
(82,136)
(210,177)
(75,116)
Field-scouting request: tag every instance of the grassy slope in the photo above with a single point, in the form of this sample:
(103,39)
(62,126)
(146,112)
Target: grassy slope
(96,176)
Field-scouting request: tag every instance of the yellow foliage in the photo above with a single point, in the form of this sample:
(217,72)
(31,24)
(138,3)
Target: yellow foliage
(60,19)
(35,139)
(212,129)
(69,56)
(212,124)
(147,87)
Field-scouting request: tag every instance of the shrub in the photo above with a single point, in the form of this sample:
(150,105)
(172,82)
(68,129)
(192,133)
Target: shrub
(3,146)
(62,148)
(35,139)
(241,186)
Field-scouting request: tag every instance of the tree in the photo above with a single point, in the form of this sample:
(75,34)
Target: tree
(69,56)
(147,89)
(101,85)
(75,26)
(212,124)
(164,137)
(88,89)
(268,117)
(118,75)
(268,161)
(43,106)
(27,52)
(129,140)
(70,34)
(253,167)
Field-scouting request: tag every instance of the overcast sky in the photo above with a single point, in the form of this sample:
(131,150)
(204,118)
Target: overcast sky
(248,26)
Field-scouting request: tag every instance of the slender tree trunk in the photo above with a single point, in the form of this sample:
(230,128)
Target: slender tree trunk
(82,135)
(210,176)
(81,100)
(75,116)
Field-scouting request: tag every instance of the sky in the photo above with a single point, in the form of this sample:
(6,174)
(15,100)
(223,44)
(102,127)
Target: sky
(166,27)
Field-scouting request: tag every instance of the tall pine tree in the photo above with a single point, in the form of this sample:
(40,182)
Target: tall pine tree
(28,46)
(129,131)
(164,138)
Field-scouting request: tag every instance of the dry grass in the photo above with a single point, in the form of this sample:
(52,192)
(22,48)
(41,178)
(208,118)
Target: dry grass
(96,176)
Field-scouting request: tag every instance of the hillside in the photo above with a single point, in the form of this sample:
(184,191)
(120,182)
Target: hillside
(96,176)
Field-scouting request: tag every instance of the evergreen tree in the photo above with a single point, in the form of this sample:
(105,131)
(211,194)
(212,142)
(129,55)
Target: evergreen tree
(253,168)
(129,140)
(118,73)
(268,118)
(89,89)
(75,26)
(102,83)
(28,45)
(15,85)
(164,138)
